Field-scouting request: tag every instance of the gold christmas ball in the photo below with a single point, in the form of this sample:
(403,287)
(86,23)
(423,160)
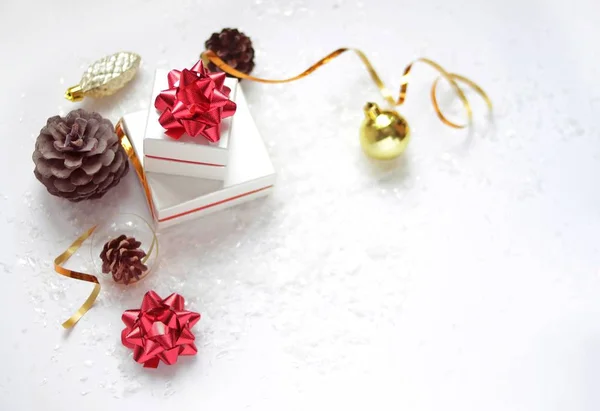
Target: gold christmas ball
(384,134)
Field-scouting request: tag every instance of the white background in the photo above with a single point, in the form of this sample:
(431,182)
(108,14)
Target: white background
(465,276)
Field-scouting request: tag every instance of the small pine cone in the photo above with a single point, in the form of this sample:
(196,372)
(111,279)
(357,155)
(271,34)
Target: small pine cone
(79,156)
(122,257)
(234,48)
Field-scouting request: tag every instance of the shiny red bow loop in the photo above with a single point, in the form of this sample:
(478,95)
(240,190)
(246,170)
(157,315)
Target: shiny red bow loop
(195,103)
(160,330)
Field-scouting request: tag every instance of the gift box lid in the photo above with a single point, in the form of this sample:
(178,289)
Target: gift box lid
(188,150)
(250,173)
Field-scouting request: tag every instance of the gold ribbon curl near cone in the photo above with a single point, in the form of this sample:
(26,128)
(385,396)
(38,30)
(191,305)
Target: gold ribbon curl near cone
(384,133)
(76,275)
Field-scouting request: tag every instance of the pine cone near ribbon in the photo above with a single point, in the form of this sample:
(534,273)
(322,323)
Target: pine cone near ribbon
(123,258)
(234,48)
(79,156)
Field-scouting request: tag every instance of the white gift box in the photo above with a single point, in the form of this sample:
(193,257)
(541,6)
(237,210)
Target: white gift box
(249,174)
(187,156)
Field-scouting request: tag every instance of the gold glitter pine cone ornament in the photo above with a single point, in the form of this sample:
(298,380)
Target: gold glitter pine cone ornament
(79,157)
(106,76)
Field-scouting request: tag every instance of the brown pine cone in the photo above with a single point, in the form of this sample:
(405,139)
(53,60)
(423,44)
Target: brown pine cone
(122,257)
(79,156)
(234,48)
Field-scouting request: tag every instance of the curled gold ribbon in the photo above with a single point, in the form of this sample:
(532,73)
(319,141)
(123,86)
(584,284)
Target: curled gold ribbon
(76,275)
(68,253)
(452,78)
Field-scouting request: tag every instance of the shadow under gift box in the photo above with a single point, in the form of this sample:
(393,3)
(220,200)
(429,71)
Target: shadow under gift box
(186,156)
(249,174)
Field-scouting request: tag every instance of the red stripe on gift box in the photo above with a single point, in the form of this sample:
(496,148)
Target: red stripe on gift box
(185,161)
(213,204)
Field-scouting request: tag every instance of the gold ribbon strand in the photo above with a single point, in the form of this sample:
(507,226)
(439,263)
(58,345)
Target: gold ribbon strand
(452,78)
(64,257)
(76,275)
(136,163)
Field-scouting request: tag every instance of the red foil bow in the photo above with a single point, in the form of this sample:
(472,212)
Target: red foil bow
(160,330)
(195,103)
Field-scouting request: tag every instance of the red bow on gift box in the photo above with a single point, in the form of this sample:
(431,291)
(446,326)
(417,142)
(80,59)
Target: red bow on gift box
(160,330)
(195,103)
